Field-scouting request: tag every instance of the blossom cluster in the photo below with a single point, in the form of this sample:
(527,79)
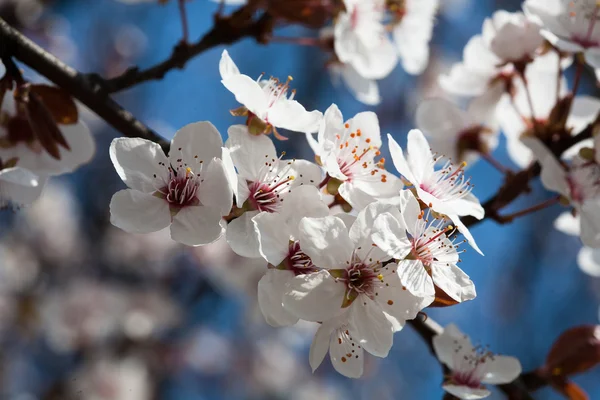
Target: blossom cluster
(343,241)
(360,274)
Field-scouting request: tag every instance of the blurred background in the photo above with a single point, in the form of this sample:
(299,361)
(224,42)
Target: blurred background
(90,312)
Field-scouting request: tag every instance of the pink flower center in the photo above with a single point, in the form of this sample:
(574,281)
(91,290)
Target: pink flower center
(469,367)
(448,183)
(182,187)
(356,161)
(360,279)
(297,261)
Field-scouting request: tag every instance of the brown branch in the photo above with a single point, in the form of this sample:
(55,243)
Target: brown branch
(14,44)
(226,30)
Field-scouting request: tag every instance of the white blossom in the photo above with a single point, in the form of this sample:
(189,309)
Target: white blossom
(348,151)
(471,367)
(578,182)
(446,191)
(188,191)
(570,25)
(361,40)
(459,135)
(358,286)
(278,240)
(265,184)
(267,101)
(412,30)
(425,253)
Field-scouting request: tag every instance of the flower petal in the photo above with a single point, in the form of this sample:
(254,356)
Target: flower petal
(389,234)
(452,346)
(373,330)
(247,92)
(137,212)
(400,161)
(320,345)
(326,241)
(291,115)
(194,144)
(501,369)
(420,158)
(249,152)
(227,67)
(197,226)
(273,236)
(137,161)
(215,190)
(588,260)
(465,392)
(242,236)
(453,281)
(314,297)
(305,201)
(347,356)
(415,278)
(271,288)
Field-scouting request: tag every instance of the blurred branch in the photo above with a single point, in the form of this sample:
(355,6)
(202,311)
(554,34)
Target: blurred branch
(226,30)
(14,44)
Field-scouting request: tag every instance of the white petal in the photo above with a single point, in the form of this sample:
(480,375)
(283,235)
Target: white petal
(273,236)
(373,330)
(399,160)
(462,228)
(364,90)
(347,359)
(82,144)
(397,301)
(197,226)
(305,202)
(453,281)
(588,260)
(227,67)
(368,123)
(501,369)
(326,241)
(320,345)
(314,297)
(305,172)
(215,190)
(420,158)
(452,346)
(19,187)
(19,176)
(465,392)
(247,92)
(232,177)
(389,234)
(291,115)
(271,288)
(137,212)
(242,236)
(567,223)
(441,118)
(331,125)
(137,161)
(249,152)
(415,278)
(351,192)
(196,143)
(361,229)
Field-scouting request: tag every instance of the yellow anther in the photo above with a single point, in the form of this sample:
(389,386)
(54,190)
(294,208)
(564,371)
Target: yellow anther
(380,277)
(292,177)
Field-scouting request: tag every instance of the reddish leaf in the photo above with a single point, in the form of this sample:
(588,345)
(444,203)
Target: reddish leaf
(575,351)
(442,299)
(58,102)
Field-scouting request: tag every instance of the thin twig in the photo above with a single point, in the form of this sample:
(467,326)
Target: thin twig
(184,21)
(529,210)
(226,30)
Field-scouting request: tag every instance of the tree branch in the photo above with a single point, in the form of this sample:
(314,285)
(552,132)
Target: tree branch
(226,30)
(15,44)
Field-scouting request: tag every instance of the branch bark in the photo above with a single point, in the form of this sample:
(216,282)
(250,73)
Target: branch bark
(14,44)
